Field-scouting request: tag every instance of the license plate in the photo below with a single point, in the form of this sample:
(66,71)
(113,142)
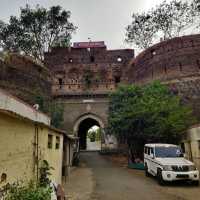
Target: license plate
(182,176)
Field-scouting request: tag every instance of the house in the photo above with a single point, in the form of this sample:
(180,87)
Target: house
(26,139)
(191,144)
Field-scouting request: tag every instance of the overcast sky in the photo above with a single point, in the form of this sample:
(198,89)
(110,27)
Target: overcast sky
(96,19)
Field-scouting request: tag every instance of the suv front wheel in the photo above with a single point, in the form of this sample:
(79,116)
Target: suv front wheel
(159,177)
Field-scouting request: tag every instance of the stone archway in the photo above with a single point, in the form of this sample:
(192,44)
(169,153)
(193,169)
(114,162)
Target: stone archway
(83,124)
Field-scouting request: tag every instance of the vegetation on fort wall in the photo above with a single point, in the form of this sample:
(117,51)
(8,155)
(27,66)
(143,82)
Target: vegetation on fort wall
(167,20)
(53,109)
(141,114)
(36,30)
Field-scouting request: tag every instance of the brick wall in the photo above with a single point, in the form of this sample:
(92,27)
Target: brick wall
(24,78)
(70,66)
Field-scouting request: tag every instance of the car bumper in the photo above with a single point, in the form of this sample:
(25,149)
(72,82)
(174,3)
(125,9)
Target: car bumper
(173,176)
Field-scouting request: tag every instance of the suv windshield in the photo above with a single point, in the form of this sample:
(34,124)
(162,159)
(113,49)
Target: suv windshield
(168,152)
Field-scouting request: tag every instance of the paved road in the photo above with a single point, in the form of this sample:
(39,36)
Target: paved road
(92,146)
(112,182)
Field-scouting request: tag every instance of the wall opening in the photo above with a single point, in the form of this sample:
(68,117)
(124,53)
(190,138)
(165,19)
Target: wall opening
(70,60)
(198,64)
(119,59)
(117,79)
(92,59)
(89,132)
(60,82)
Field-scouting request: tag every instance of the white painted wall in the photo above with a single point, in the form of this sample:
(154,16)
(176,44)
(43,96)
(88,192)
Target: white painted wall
(15,105)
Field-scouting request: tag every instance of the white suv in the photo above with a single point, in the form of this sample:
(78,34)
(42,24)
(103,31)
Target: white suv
(166,161)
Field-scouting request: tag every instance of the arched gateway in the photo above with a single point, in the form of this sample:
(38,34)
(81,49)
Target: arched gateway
(83,124)
(84,75)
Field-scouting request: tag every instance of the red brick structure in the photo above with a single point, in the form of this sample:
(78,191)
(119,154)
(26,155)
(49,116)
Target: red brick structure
(167,60)
(25,78)
(83,77)
(80,69)
(175,62)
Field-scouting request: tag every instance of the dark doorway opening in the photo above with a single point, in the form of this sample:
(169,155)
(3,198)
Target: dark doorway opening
(85,128)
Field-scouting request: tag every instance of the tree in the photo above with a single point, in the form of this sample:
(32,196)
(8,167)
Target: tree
(196,12)
(142,30)
(166,21)
(172,18)
(147,113)
(36,30)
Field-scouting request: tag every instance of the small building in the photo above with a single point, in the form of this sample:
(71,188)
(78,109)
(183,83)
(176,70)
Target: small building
(26,139)
(191,145)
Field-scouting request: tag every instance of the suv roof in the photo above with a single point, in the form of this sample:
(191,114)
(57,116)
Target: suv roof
(160,145)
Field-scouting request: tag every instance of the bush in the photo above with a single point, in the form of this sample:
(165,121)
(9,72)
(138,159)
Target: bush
(30,191)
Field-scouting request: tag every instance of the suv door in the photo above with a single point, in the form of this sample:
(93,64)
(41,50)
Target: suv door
(153,162)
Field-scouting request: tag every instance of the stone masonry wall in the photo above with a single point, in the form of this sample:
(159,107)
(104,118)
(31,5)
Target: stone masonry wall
(73,67)
(24,78)
(175,62)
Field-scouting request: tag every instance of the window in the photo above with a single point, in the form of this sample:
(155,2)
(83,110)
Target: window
(151,151)
(50,141)
(92,59)
(180,66)
(119,59)
(148,151)
(70,60)
(60,82)
(57,142)
(153,52)
(198,64)
(117,79)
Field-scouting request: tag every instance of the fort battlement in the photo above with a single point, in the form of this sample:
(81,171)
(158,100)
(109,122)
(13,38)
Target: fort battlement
(171,59)
(87,68)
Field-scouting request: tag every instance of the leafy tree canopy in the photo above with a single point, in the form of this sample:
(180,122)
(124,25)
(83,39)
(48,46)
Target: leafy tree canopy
(148,111)
(166,21)
(36,30)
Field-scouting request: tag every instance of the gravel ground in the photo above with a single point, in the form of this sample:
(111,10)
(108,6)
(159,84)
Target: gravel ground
(98,178)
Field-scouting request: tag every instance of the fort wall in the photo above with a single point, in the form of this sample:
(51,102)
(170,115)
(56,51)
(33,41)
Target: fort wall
(24,78)
(175,62)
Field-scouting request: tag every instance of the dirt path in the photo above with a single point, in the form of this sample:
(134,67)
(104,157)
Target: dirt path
(100,179)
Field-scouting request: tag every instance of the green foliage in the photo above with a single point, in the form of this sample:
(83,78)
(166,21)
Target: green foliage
(45,173)
(57,113)
(167,20)
(53,109)
(148,111)
(36,30)
(94,135)
(98,134)
(88,77)
(30,191)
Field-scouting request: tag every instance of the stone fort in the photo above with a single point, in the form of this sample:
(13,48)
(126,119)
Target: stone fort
(82,76)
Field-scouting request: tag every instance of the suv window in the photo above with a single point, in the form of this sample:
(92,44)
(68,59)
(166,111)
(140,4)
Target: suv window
(151,151)
(145,150)
(148,151)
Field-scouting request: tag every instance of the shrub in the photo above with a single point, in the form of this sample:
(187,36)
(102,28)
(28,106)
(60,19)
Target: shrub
(30,191)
